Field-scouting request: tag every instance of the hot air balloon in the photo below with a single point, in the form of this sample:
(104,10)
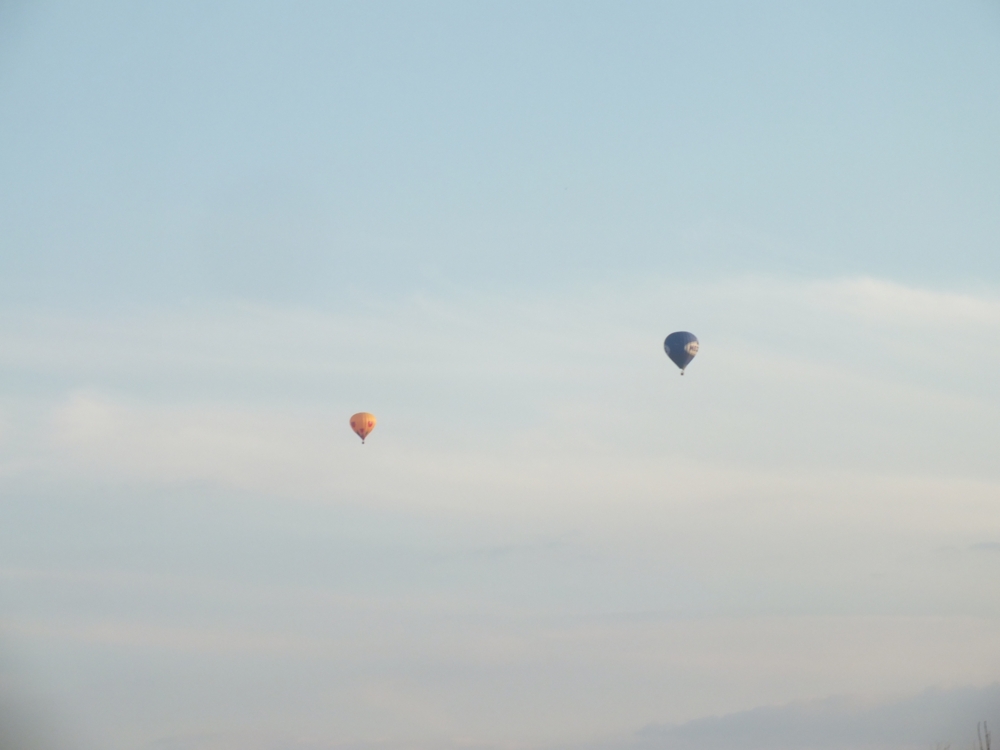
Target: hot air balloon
(363,423)
(681,347)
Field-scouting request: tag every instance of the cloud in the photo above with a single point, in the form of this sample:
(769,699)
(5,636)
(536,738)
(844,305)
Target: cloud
(986,547)
(934,718)
(476,333)
(248,449)
(891,303)
(550,537)
(410,668)
(552,416)
(826,372)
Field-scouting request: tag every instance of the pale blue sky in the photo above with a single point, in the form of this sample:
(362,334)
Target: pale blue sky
(285,152)
(226,228)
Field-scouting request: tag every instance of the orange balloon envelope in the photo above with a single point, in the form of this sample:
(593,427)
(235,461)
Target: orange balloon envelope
(363,423)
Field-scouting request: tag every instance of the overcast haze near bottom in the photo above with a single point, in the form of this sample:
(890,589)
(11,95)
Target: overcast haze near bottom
(550,540)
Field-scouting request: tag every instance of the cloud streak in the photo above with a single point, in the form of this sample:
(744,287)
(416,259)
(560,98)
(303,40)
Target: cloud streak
(935,718)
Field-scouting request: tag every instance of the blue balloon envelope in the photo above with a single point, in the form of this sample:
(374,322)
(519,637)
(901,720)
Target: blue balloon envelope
(681,347)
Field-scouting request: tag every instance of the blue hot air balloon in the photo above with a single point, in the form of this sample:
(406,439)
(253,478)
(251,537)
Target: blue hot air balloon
(681,347)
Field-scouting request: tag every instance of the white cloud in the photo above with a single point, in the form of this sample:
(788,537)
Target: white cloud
(240,448)
(555,416)
(415,677)
(802,514)
(934,718)
(890,303)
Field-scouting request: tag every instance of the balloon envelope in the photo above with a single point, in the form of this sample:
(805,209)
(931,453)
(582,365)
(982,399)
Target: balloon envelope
(363,423)
(681,347)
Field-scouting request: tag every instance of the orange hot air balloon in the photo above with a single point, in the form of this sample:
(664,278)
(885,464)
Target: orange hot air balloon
(363,423)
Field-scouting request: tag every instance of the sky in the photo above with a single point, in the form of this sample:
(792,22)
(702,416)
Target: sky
(226,228)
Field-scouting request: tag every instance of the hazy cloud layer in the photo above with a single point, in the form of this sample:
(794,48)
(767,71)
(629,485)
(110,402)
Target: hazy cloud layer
(550,538)
(949,717)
